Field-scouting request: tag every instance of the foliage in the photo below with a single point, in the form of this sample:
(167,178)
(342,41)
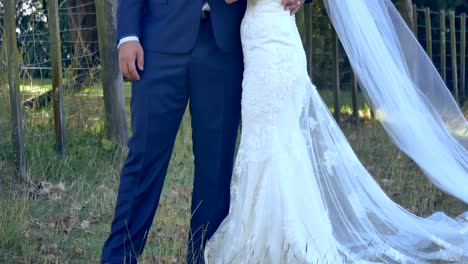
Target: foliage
(33,38)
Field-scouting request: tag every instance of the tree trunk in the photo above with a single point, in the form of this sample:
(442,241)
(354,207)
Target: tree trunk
(19,156)
(57,87)
(406,10)
(83,33)
(112,80)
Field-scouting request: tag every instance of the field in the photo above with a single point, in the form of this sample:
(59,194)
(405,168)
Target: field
(63,215)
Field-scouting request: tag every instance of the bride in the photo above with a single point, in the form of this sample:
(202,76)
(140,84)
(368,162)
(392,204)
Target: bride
(299,194)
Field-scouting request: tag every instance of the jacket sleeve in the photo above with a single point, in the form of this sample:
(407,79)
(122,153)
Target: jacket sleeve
(129,17)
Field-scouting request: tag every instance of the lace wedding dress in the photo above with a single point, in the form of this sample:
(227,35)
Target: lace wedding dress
(299,194)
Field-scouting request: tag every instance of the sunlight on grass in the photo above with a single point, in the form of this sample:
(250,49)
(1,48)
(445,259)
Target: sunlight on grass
(97,90)
(35,86)
(40,86)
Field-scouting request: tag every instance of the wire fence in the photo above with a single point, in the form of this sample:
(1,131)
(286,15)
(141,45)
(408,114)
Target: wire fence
(444,38)
(323,52)
(329,66)
(83,104)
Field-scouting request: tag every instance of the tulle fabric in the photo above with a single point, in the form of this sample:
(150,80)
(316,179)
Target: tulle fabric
(364,219)
(404,89)
(299,194)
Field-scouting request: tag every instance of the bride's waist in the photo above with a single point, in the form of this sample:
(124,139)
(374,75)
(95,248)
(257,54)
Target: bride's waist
(269,22)
(267,8)
(262,25)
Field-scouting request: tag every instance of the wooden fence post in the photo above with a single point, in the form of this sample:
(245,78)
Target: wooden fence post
(427,13)
(112,81)
(443,46)
(415,21)
(463,56)
(453,39)
(56,63)
(19,156)
(406,9)
(308,36)
(337,103)
(354,100)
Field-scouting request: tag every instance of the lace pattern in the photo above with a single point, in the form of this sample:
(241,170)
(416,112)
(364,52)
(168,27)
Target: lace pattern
(299,194)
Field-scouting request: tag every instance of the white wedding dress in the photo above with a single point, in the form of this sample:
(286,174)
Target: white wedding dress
(299,194)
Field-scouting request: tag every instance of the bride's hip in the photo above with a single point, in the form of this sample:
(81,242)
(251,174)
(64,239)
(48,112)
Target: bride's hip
(257,20)
(274,58)
(270,37)
(274,51)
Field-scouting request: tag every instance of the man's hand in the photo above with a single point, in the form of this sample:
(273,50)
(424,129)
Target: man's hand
(292,5)
(130,55)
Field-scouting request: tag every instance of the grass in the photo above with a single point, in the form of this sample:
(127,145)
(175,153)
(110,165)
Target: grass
(64,214)
(35,86)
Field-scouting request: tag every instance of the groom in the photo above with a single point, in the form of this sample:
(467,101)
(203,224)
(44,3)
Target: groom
(192,51)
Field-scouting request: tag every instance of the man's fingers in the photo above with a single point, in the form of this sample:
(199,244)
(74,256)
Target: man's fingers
(292,7)
(131,57)
(132,71)
(291,4)
(140,59)
(294,11)
(124,69)
(126,72)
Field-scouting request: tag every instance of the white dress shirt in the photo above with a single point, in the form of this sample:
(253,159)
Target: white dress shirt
(206,7)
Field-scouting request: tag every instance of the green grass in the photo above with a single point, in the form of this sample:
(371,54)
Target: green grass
(47,223)
(33,87)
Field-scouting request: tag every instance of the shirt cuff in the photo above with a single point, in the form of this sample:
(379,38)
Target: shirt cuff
(206,7)
(127,39)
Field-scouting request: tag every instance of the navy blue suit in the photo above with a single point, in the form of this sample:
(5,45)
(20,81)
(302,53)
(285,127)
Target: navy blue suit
(186,59)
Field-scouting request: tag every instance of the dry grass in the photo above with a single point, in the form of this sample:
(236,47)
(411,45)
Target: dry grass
(64,214)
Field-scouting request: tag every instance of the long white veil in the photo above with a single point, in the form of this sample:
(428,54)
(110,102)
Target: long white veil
(405,90)
(276,208)
(420,115)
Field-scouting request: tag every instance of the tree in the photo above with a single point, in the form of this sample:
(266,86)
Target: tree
(83,33)
(81,59)
(406,10)
(112,82)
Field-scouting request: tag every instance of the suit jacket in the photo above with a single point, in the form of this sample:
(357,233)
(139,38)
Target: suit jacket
(171,26)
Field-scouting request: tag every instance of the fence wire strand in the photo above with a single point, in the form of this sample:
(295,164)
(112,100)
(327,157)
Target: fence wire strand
(80,58)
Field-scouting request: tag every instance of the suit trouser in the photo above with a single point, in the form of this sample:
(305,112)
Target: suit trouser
(211,80)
